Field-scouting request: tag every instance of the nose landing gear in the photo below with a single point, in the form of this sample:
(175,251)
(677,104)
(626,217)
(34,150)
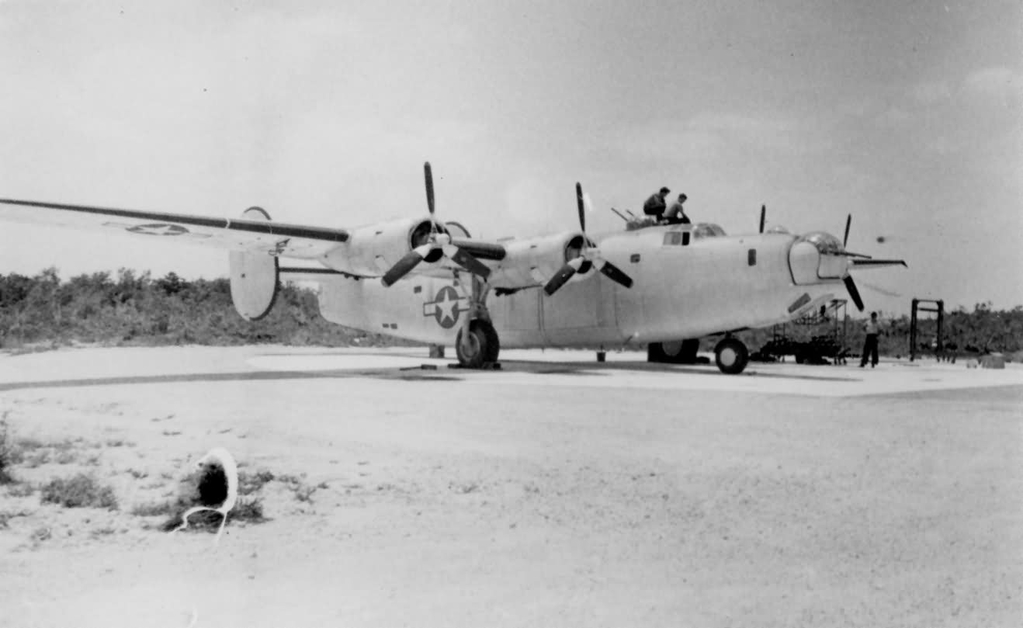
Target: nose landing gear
(731,355)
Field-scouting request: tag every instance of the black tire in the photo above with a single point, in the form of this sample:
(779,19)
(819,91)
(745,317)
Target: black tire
(484,345)
(731,356)
(676,352)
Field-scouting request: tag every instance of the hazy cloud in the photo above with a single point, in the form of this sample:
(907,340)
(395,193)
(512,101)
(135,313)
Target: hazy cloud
(1001,84)
(931,92)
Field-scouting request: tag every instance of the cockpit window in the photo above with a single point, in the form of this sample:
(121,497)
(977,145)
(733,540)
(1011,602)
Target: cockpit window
(708,230)
(673,238)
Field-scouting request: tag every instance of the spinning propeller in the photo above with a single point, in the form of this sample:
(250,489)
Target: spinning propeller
(437,243)
(589,255)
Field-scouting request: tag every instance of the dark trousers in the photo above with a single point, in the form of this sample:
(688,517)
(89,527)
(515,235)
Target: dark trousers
(869,350)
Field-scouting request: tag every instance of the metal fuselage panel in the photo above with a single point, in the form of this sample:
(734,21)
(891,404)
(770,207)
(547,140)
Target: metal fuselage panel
(709,286)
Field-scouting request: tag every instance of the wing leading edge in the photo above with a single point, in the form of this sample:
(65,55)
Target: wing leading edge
(289,240)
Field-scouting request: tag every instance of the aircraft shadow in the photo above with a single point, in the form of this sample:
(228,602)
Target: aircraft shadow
(604,368)
(388,373)
(412,373)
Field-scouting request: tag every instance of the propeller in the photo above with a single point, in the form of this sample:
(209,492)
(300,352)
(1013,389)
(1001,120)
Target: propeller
(589,256)
(436,241)
(850,285)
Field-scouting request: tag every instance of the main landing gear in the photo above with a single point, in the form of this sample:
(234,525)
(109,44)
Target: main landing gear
(477,344)
(731,355)
(677,352)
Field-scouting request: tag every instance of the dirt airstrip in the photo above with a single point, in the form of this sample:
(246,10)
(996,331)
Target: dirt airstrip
(550,493)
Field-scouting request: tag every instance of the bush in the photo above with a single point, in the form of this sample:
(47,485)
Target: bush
(138,310)
(80,491)
(10,454)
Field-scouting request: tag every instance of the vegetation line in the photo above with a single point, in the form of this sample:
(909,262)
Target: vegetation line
(137,310)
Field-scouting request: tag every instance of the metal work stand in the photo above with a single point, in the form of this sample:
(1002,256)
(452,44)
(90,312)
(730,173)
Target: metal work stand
(939,308)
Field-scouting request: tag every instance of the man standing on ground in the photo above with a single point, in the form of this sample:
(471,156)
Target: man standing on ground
(655,205)
(870,344)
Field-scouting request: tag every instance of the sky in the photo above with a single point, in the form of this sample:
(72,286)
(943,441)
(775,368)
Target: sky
(905,114)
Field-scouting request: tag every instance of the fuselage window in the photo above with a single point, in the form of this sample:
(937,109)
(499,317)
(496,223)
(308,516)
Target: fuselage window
(751,257)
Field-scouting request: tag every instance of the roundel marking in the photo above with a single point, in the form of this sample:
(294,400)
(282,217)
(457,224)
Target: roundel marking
(446,307)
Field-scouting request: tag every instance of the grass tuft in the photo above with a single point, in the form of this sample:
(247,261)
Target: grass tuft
(80,491)
(10,454)
(249,483)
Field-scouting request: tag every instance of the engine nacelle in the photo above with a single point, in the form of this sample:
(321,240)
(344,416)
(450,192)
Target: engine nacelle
(535,261)
(371,250)
(254,277)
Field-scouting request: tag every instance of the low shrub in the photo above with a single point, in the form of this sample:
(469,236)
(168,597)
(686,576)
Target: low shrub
(80,491)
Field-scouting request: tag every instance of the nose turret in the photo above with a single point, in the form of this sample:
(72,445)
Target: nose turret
(817,255)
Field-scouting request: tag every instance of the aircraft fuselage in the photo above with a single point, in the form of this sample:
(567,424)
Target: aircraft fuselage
(707,285)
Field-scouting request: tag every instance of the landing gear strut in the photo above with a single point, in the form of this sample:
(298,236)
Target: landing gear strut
(477,344)
(731,355)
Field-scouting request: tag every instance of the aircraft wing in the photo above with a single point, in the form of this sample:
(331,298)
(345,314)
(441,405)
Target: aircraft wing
(282,239)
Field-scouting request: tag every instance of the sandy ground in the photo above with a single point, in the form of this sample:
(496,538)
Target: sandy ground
(555,492)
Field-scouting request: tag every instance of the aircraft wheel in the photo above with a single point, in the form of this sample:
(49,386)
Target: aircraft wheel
(482,345)
(731,356)
(677,352)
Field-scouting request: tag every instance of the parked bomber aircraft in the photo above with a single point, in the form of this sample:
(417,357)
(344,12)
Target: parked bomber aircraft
(426,280)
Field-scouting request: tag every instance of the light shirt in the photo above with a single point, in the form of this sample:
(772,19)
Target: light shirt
(871,327)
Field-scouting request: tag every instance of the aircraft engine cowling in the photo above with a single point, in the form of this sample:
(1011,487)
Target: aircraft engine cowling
(534,261)
(370,251)
(254,277)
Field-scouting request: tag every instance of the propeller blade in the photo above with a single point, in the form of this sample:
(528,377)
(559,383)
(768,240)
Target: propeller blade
(850,285)
(616,274)
(562,276)
(879,262)
(582,213)
(468,262)
(428,172)
(763,217)
(559,279)
(848,223)
(851,254)
(405,265)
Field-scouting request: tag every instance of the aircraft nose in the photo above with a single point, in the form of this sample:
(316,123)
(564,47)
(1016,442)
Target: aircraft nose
(816,256)
(804,260)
